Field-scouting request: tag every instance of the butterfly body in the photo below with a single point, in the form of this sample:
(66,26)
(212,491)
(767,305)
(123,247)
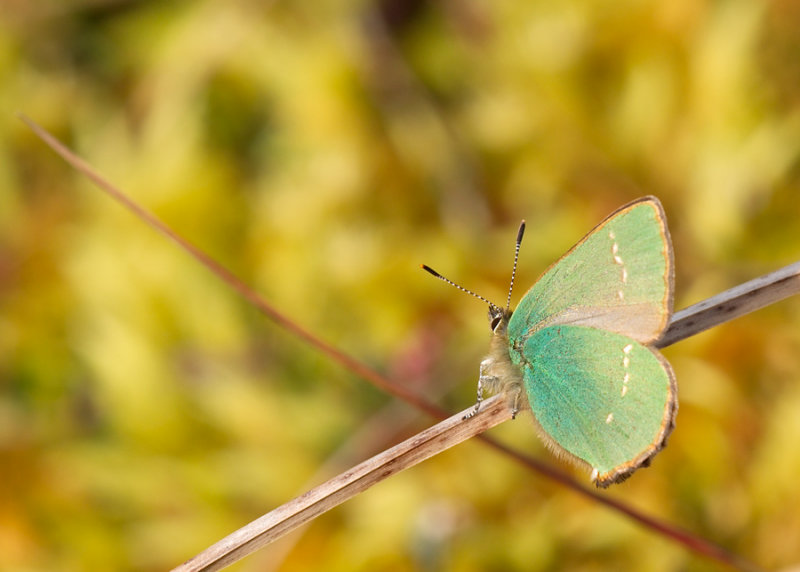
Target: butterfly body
(577,348)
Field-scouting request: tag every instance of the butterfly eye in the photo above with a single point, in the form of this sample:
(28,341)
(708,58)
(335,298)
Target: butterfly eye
(496,317)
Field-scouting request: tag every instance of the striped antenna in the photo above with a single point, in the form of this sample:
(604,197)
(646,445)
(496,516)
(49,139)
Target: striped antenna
(520,232)
(495,308)
(430,270)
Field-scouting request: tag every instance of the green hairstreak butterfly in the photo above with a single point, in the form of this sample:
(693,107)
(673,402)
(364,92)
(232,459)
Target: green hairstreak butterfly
(578,347)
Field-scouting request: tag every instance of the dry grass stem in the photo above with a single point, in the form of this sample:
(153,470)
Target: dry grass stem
(733,303)
(311,504)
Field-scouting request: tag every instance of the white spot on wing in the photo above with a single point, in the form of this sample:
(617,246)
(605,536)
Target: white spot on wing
(626,361)
(595,474)
(618,260)
(610,418)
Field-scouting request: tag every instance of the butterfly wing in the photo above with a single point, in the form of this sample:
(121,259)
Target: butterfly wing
(598,397)
(619,277)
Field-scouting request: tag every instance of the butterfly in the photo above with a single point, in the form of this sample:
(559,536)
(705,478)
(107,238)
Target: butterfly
(578,349)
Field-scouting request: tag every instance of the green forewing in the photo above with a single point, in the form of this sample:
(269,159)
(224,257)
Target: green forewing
(599,395)
(618,278)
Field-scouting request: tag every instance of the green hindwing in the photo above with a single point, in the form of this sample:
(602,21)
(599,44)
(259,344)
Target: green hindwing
(600,397)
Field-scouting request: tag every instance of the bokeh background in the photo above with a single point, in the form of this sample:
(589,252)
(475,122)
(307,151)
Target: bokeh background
(322,151)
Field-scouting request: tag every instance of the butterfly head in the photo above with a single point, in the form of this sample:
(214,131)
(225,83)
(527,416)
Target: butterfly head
(498,319)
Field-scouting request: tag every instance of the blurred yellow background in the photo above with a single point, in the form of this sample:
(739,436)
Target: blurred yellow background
(322,151)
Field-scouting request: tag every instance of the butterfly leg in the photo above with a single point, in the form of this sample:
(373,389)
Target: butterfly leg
(484,378)
(515,397)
